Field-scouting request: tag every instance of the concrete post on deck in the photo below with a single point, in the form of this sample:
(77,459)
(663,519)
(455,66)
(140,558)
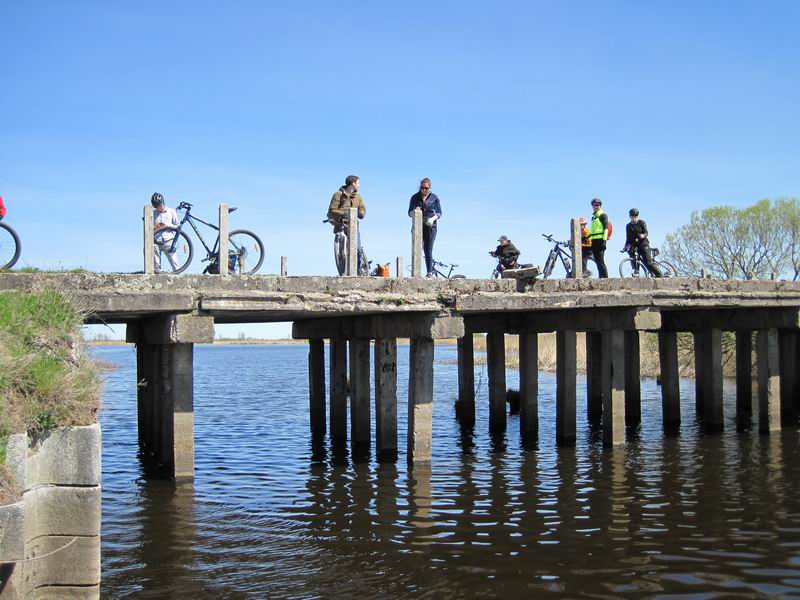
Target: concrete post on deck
(224,229)
(148,241)
(416,243)
(352,242)
(575,248)
(769,386)
(164,358)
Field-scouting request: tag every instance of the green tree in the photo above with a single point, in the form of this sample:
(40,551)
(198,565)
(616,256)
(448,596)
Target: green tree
(757,242)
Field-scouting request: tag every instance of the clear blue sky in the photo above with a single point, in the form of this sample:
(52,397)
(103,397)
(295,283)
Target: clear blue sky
(519,112)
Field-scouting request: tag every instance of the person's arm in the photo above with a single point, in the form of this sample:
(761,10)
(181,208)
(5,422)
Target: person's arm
(362,209)
(411,206)
(643,234)
(437,207)
(604,223)
(630,236)
(334,214)
(175,220)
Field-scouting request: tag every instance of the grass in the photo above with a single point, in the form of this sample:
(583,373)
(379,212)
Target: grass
(45,381)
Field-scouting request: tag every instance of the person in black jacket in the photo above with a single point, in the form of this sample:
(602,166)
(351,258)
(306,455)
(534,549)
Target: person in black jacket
(636,241)
(507,253)
(431,208)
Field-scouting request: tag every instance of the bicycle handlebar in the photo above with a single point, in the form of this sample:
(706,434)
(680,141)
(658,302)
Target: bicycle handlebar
(184,206)
(550,238)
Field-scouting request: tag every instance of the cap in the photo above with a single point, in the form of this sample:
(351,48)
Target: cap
(502,238)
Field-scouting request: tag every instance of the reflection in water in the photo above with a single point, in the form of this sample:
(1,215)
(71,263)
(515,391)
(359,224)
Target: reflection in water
(274,513)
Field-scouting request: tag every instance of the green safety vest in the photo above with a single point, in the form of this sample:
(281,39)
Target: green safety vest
(598,232)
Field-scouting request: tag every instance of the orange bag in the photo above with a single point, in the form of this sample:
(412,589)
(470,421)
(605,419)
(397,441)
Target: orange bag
(383,270)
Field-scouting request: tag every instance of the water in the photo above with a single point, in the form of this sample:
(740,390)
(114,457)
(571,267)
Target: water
(269,516)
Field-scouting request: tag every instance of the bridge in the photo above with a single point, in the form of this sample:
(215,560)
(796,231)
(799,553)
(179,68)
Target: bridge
(166,315)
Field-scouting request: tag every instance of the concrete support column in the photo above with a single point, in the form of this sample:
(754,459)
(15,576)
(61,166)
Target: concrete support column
(769,386)
(594,384)
(416,243)
(633,387)
(386,398)
(466,380)
(566,373)
(316,385)
(528,383)
(699,351)
(338,408)
(711,361)
(744,379)
(352,242)
(787,341)
(420,401)
(359,393)
(496,369)
(613,362)
(149,237)
(670,381)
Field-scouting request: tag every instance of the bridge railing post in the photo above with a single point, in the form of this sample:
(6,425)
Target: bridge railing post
(575,247)
(224,229)
(416,244)
(149,246)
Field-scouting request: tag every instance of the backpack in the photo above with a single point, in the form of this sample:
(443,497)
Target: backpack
(610,229)
(213,265)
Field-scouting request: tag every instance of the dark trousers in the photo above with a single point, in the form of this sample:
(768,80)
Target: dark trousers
(428,237)
(598,250)
(586,254)
(647,260)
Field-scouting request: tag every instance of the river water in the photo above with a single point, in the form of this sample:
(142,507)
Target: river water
(270,516)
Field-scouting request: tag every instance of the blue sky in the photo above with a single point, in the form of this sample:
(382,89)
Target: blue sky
(520,113)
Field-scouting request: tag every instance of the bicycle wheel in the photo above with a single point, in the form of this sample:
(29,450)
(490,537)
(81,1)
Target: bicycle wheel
(340,252)
(667,270)
(10,246)
(178,251)
(249,251)
(626,269)
(548,265)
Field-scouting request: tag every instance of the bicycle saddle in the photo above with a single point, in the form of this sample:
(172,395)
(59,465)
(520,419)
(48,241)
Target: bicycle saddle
(231,209)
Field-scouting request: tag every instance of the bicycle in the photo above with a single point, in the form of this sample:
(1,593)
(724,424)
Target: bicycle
(10,246)
(633,266)
(340,250)
(245,249)
(558,252)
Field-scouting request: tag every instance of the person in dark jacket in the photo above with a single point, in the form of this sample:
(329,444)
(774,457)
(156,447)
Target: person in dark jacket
(636,241)
(507,253)
(345,198)
(431,208)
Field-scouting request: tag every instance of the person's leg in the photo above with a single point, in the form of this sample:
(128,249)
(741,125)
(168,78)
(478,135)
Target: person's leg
(428,237)
(586,253)
(598,250)
(157,258)
(634,262)
(647,261)
(359,254)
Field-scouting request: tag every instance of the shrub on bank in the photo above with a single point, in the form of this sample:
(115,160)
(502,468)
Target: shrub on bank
(45,381)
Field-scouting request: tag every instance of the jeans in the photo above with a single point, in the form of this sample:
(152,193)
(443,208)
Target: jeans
(428,237)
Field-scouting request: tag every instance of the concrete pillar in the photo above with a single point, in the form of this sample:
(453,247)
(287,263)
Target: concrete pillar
(416,243)
(670,381)
(528,383)
(744,379)
(787,341)
(338,408)
(769,386)
(711,361)
(224,228)
(399,272)
(633,388)
(359,392)
(420,401)
(566,373)
(613,362)
(594,384)
(284,266)
(386,398)
(496,369)
(148,239)
(575,248)
(699,351)
(177,432)
(352,242)
(316,384)
(466,380)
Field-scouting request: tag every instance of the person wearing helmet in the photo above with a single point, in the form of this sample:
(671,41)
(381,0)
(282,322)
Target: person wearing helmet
(586,244)
(636,241)
(598,233)
(163,218)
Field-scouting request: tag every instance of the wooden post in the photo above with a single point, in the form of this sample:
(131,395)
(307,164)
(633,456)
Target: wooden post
(222,256)
(496,369)
(386,398)
(594,383)
(566,372)
(420,401)
(416,244)
(352,242)
(769,386)
(338,409)
(633,387)
(744,379)
(670,381)
(359,392)
(466,379)
(575,248)
(316,384)
(149,240)
(528,383)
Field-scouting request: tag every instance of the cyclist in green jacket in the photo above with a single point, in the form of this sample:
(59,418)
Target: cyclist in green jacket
(598,234)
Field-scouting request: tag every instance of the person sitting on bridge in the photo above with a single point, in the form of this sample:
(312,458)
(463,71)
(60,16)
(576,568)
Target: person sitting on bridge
(636,241)
(506,253)
(163,218)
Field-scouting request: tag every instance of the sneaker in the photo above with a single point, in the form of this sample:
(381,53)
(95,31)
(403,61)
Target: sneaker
(429,276)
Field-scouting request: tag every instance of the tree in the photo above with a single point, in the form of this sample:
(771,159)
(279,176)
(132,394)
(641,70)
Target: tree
(757,242)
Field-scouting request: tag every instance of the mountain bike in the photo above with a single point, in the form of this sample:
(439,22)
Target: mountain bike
(450,268)
(340,250)
(561,251)
(634,267)
(10,246)
(245,249)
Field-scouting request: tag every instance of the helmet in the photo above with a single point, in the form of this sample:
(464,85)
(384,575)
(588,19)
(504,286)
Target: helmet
(157,200)
(634,212)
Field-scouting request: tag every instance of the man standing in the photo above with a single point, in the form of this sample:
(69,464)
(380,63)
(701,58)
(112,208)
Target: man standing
(598,233)
(507,253)
(163,217)
(636,241)
(428,202)
(343,200)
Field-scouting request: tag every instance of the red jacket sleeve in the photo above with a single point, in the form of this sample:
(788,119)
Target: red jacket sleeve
(2,208)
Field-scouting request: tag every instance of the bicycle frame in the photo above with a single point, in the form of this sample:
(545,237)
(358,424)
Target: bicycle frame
(439,273)
(190,218)
(560,251)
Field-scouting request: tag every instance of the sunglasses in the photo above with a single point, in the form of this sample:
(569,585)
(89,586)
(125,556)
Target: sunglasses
(422,187)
